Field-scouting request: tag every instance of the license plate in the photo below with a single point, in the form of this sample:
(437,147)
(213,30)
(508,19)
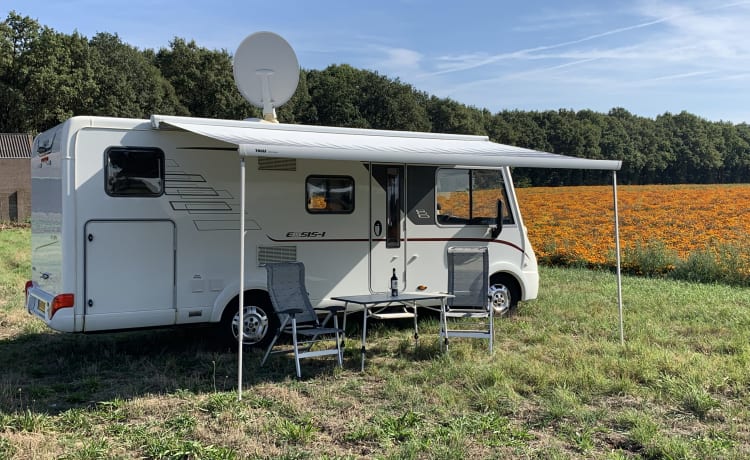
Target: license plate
(41,306)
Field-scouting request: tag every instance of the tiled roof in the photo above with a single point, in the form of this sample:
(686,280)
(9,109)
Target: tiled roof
(15,145)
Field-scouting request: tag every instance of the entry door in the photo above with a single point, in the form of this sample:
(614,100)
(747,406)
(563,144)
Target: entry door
(387,230)
(129,279)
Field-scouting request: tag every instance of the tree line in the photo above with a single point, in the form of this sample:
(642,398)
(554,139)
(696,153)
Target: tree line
(47,76)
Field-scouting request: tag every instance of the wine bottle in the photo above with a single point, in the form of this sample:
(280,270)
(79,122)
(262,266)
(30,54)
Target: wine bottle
(394,284)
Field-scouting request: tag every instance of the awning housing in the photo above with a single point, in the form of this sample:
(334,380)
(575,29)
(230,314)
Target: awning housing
(256,138)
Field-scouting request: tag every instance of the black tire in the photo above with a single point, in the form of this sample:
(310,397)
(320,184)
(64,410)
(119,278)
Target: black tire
(261,322)
(504,294)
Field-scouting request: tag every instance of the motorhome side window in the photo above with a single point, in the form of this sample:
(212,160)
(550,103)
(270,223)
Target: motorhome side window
(134,172)
(329,194)
(469,196)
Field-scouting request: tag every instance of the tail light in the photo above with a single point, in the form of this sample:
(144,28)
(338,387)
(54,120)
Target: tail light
(61,301)
(29,285)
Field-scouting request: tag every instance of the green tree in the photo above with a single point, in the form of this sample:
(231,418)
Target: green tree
(128,83)
(449,116)
(336,93)
(299,108)
(696,147)
(17,36)
(203,80)
(62,83)
(390,104)
(523,130)
(736,167)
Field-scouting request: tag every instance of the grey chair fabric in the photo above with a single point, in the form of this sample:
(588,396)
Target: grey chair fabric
(297,317)
(468,282)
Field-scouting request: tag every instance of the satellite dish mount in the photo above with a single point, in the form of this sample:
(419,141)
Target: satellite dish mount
(266,72)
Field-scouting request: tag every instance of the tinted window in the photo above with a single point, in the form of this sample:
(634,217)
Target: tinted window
(329,194)
(134,172)
(393,208)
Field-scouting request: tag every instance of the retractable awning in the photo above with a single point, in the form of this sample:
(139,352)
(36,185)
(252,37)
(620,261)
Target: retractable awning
(254,138)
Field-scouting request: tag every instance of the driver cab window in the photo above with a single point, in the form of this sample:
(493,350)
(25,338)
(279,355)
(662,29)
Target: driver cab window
(469,197)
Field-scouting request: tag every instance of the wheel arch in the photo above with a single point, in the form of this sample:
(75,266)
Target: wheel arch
(508,277)
(511,272)
(231,295)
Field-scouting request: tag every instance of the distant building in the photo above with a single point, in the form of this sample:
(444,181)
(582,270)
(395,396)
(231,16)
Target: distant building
(15,177)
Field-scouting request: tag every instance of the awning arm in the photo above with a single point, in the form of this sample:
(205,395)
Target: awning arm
(241,325)
(617,257)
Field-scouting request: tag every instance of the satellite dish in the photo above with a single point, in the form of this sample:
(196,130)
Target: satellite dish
(266,71)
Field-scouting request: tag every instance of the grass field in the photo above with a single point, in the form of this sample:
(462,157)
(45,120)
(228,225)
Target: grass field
(559,385)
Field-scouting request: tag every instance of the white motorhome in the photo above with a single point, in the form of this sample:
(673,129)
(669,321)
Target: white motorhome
(135,223)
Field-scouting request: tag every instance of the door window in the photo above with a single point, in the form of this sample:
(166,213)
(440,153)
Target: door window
(393,208)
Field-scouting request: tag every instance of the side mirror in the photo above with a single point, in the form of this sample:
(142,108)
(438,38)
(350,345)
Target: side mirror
(498,227)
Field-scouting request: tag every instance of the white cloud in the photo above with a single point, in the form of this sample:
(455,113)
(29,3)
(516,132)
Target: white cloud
(399,60)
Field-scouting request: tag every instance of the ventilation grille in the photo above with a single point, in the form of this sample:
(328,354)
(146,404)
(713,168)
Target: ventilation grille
(271,254)
(277,164)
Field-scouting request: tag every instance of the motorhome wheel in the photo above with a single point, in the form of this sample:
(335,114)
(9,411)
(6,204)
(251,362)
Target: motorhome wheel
(256,324)
(259,325)
(504,295)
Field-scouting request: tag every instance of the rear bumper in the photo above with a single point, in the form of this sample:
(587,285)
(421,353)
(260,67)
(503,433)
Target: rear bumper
(39,303)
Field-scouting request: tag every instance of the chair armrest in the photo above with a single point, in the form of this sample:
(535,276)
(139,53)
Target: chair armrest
(291,311)
(332,308)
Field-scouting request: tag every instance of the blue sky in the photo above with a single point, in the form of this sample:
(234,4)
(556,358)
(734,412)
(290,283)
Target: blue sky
(649,57)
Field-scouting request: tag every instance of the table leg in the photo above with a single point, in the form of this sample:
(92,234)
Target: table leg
(343,336)
(443,326)
(416,328)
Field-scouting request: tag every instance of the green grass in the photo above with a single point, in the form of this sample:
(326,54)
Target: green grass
(559,385)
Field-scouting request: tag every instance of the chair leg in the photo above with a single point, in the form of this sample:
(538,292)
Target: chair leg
(273,342)
(296,348)
(443,329)
(492,327)
(338,342)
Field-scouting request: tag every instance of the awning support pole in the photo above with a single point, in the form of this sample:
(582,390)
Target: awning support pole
(241,325)
(617,256)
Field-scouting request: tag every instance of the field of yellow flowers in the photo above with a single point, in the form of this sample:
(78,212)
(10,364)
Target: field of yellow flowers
(576,223)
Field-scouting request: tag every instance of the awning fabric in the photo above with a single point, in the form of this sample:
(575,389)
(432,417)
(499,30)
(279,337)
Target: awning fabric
(255,138)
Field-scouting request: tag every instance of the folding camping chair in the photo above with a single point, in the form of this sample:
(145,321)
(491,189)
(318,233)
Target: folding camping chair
(468,282)
(290,301)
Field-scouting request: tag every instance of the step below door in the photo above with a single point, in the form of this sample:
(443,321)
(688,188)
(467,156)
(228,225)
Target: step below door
(129,274)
